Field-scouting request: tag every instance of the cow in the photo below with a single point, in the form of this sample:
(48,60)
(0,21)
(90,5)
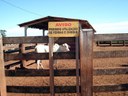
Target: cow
(42,48)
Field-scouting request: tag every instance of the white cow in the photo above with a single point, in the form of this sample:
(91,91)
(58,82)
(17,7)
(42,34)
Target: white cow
(42,48)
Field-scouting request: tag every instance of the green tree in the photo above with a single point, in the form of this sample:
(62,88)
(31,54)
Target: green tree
(3,33)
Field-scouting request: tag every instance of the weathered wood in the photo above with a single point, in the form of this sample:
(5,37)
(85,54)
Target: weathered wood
(110,37)
(64,89)
(34,39)
(39,56)
(86,58)
(29,39)
(65,40)
(77,67)
(2,71)
(111,54)
(9,64)
(111,88)
(115,71)
(51,42)
(62,72)
(22,50)
(64,55)
(41,89)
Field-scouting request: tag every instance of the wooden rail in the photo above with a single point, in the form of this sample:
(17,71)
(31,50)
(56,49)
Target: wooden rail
(63,55)
(34,39)
(110,37)
(64,72)
(40,39)
(65,89)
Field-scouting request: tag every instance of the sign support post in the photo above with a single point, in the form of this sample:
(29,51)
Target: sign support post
(51,42)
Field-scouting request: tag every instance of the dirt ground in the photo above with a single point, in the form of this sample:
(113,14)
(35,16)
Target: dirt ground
(102,63)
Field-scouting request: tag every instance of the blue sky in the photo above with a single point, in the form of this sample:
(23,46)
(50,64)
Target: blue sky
(106,16)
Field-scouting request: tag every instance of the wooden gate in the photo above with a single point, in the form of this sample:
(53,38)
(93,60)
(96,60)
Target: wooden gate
(86,49)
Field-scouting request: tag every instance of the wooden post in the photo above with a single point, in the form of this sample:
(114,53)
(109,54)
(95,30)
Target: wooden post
(43,32)
(51,66)
(25,31)
(86,62)
(77,66)
(3,90)
(22,50)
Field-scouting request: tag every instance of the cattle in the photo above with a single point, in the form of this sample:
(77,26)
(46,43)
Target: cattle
(42,48)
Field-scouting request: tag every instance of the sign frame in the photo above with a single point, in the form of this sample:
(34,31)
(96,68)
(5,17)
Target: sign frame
(63,29)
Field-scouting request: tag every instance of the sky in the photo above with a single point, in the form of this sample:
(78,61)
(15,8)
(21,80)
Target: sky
(106,16)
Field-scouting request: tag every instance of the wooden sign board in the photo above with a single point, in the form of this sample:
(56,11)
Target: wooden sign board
(63,29)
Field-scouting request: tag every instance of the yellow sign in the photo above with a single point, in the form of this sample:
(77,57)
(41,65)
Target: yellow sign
(63,29)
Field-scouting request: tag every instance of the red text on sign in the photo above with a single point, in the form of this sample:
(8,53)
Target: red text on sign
(63,24)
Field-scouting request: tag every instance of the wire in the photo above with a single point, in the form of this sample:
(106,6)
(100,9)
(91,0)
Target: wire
(25,10)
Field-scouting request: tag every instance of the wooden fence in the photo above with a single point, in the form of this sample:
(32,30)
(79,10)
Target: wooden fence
(67,72)
(34,56)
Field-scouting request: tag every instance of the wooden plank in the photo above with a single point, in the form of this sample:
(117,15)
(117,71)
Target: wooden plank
(65,89)
(29,39)
(111,54)
(111,88)
(86,60)
(62,72)
(64,55)
(41,89)
(116,71)
(2,71)
(110,37)
(36,73)
(67,40)
(9,64)
(51,42)
(34,39)
(39,56)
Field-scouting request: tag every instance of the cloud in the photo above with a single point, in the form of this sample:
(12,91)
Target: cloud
(118,27)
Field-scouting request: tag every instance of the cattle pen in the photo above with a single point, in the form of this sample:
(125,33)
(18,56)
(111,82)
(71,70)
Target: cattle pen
(90,78)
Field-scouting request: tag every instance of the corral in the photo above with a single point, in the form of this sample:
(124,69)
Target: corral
(110,68)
